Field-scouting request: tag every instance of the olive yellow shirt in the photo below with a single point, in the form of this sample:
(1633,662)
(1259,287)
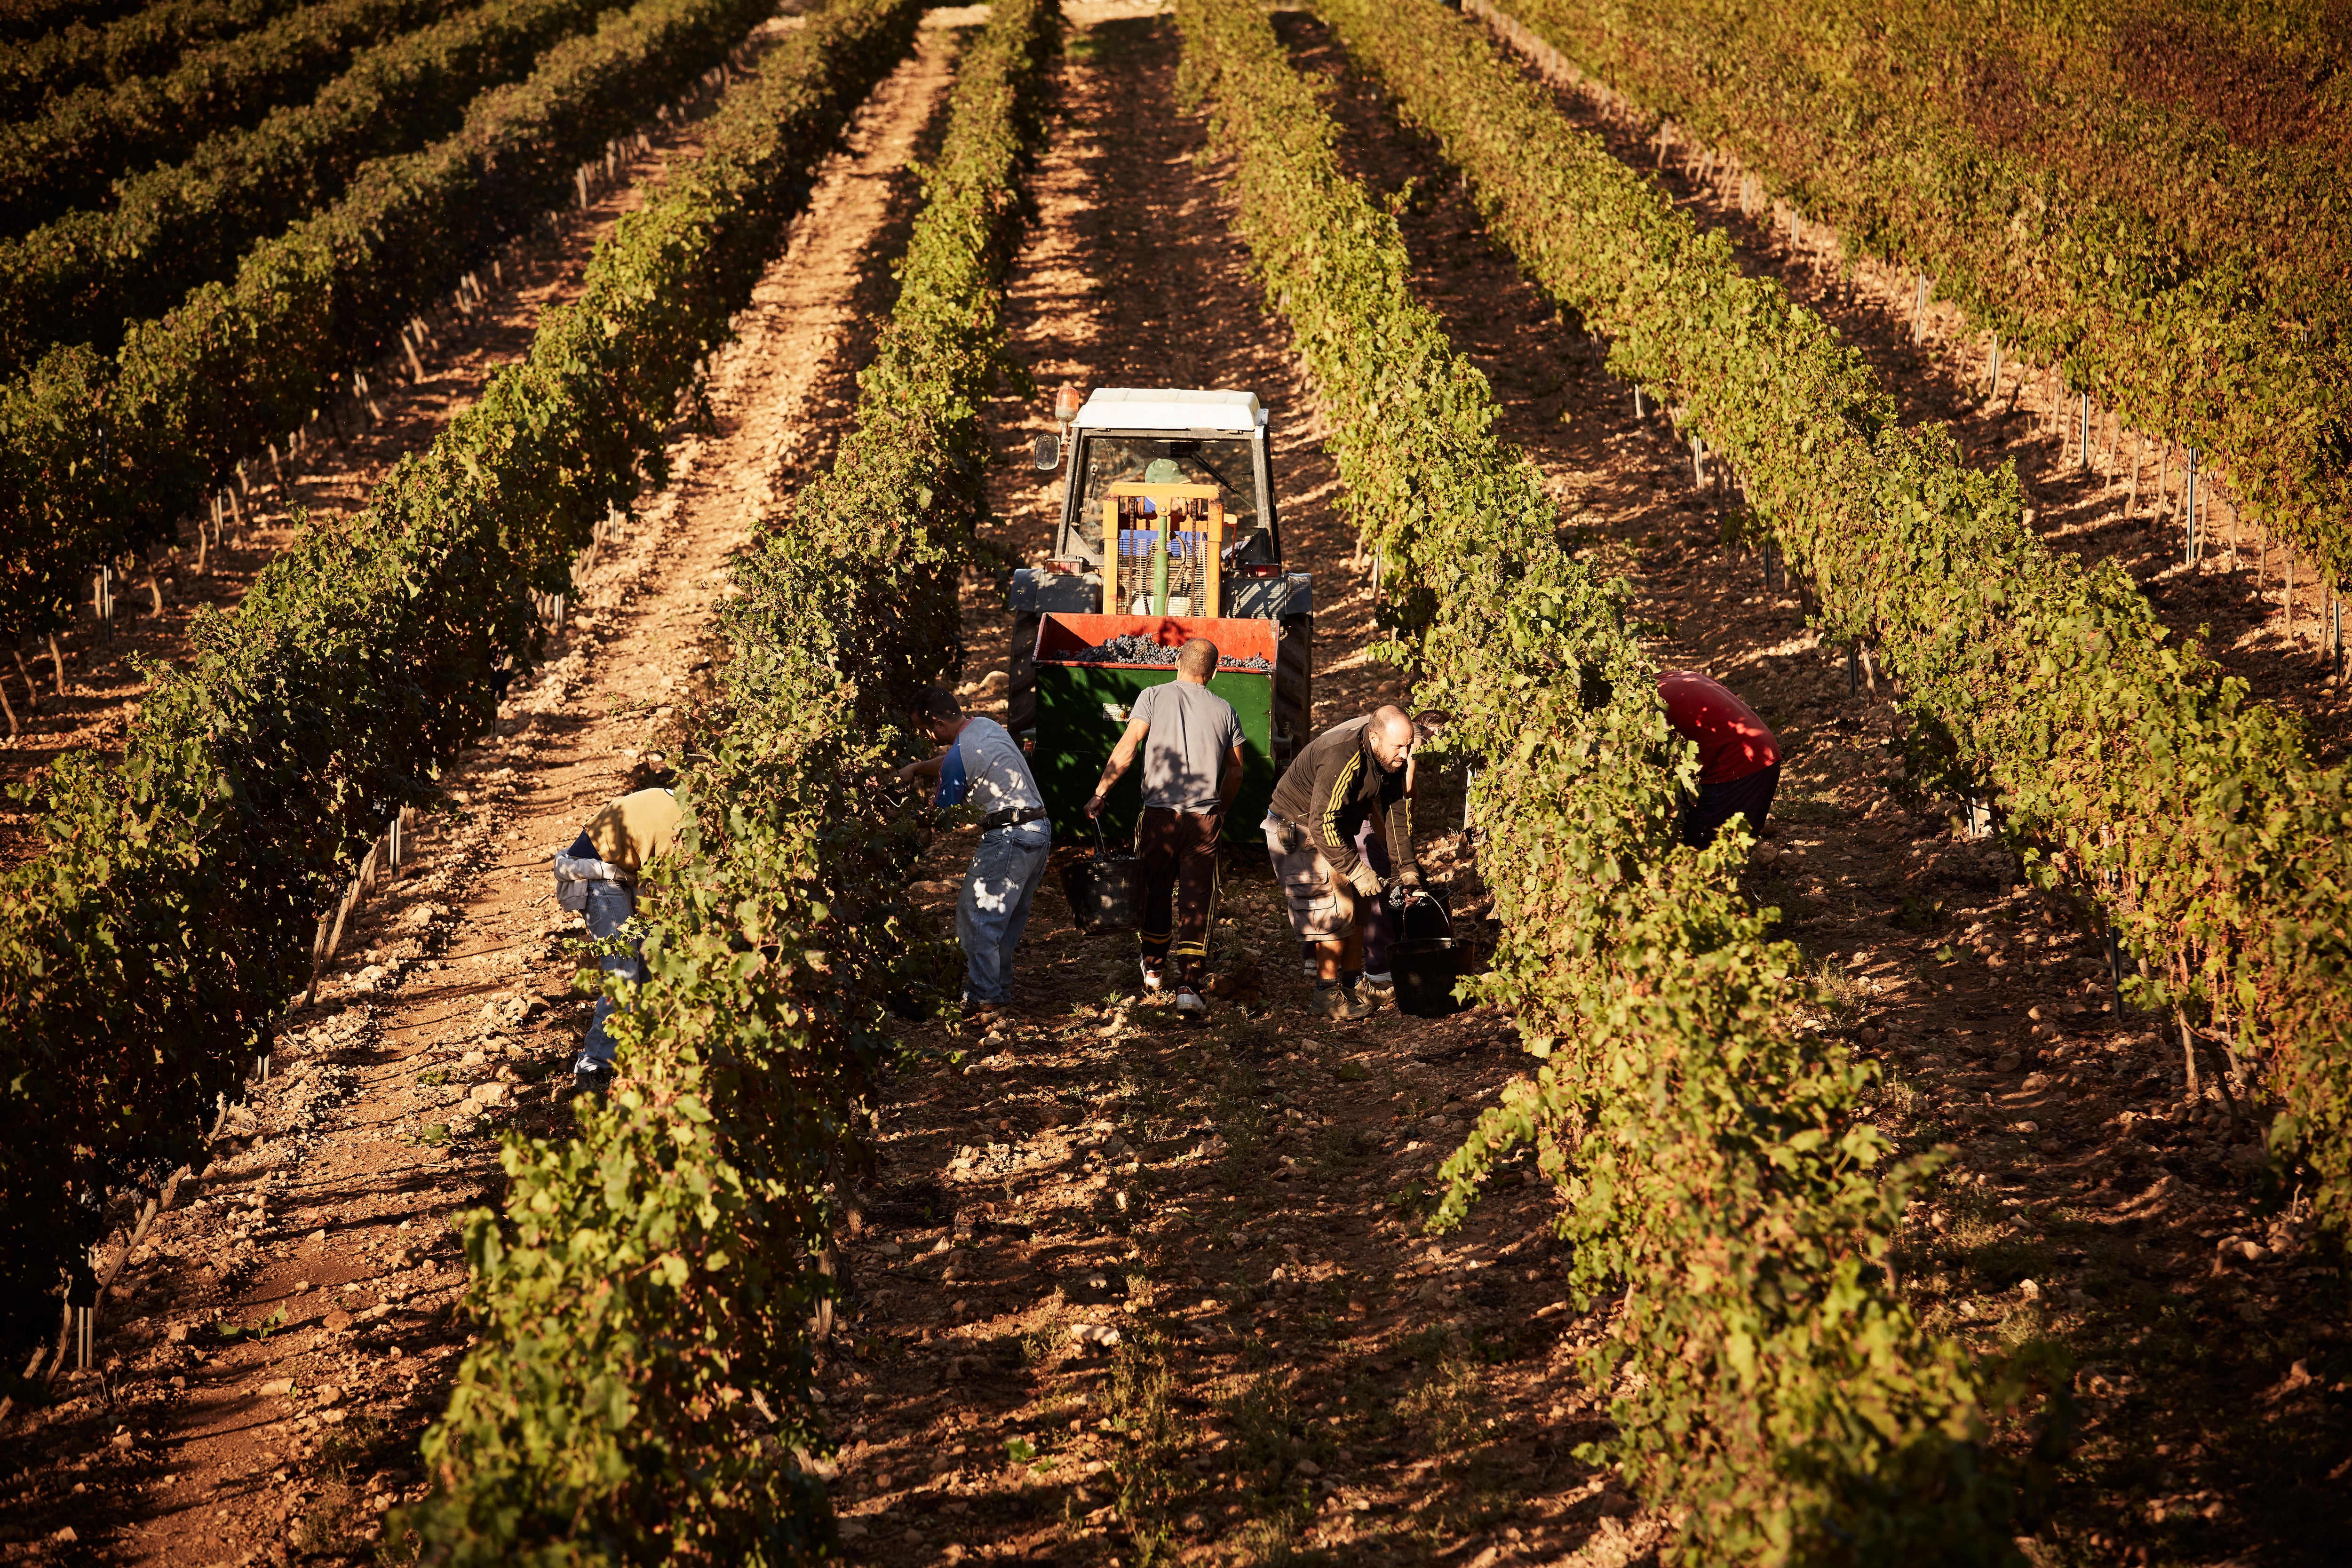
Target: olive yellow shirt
(634,828)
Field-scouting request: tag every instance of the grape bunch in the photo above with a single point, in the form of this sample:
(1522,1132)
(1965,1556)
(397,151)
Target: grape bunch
(1134,648)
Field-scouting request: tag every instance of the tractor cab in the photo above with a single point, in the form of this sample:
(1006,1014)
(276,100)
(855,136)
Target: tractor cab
(1168,532)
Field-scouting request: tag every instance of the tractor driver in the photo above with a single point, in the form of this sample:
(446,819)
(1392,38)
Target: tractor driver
(1350,773)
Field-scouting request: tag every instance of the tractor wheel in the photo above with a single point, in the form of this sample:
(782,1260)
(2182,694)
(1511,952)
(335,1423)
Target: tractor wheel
(1021,690)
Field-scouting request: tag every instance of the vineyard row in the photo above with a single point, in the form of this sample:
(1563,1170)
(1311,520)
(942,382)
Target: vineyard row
(68,53)
(85,276)
(1715,1166)
(145,956)
(81,144)
(2129,770)
(108,454)
(2190,274)
(653,1297)
(31,18)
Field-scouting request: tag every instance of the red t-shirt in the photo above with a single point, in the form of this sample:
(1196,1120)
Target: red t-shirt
(1732,742)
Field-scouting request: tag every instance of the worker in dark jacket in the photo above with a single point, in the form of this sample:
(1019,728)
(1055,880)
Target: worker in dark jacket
(1346,774)
(1738,755)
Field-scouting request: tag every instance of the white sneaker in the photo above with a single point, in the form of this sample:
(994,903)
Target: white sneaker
(1152,983)
(1190,1004)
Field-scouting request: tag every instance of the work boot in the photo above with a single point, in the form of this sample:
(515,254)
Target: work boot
(1342,1002)
(591,1077)
(1381,987)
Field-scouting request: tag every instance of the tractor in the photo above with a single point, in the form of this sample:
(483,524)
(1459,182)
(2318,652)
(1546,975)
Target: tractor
(1167,532)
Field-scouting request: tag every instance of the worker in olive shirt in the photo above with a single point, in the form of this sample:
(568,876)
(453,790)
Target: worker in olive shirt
(1192,744)
(1738,755)
(982,763)
(597,876)
(1346,774)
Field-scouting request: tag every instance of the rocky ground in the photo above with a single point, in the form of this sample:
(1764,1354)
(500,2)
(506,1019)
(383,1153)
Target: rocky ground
(283,1334)
(1129,1291)
(89,704)
(2234,600)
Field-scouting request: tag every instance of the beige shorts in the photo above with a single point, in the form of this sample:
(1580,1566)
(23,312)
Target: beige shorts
(1322,905)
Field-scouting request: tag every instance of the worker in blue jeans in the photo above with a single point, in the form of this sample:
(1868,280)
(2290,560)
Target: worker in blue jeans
(596,878)
(983,765)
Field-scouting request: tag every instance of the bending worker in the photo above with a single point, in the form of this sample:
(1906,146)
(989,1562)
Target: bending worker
(1738,755)
(982,763)
(1346,774)
(1192,743)
(597,876)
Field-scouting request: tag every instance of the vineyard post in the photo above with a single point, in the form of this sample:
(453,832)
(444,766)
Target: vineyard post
(2163,474)
(2139,455)
(2083,457)
(32,688)
(1993,378)
(58,665)
(1919,309)
(2188,505)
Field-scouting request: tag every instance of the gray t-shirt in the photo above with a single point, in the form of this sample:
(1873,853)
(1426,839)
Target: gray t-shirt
(1193,729)
(985,766)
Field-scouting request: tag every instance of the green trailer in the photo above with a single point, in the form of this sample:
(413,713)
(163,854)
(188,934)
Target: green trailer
(1082,711)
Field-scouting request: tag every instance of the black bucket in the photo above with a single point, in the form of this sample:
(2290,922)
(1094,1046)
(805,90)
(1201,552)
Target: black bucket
(1422,916)
(1425,970)
(1104,890)
(1425,963)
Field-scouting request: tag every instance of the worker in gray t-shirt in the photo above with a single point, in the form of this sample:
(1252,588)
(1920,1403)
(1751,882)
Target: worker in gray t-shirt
(1192,743)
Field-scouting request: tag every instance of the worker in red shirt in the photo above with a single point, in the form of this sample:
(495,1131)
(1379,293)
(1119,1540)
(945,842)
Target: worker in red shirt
(1738,755)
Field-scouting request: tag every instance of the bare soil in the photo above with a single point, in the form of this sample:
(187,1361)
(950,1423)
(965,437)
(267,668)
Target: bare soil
(332,476)
(2092,1202)
(1135,1291)
(2232,601)
(1130,1290)
(283,1335)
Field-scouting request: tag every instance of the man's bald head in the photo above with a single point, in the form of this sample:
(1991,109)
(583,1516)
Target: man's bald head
(1197,659)
(1388,735)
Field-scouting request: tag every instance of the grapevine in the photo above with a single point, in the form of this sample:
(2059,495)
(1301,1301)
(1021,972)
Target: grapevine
(145,956)
(2130,768)
(1709,1150)
(669,1256)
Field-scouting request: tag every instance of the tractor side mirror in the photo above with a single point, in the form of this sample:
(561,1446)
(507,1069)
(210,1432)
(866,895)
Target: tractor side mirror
(1047,453)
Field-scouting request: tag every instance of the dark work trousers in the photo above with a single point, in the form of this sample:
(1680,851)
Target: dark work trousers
(1177,851)
(1718,803)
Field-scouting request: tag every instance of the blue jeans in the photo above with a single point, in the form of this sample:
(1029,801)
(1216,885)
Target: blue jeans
(1003,879)
(610,905)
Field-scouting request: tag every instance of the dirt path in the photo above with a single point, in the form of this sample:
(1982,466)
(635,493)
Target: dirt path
(2091,1203)
(1133,1292)
(2234,600)
(332,476)
(285,1333)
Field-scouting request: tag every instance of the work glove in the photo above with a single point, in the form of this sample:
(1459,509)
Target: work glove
(1366,881)
(1410,879)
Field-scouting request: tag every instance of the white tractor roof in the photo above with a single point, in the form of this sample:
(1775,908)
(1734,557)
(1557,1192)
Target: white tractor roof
(1169,408)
